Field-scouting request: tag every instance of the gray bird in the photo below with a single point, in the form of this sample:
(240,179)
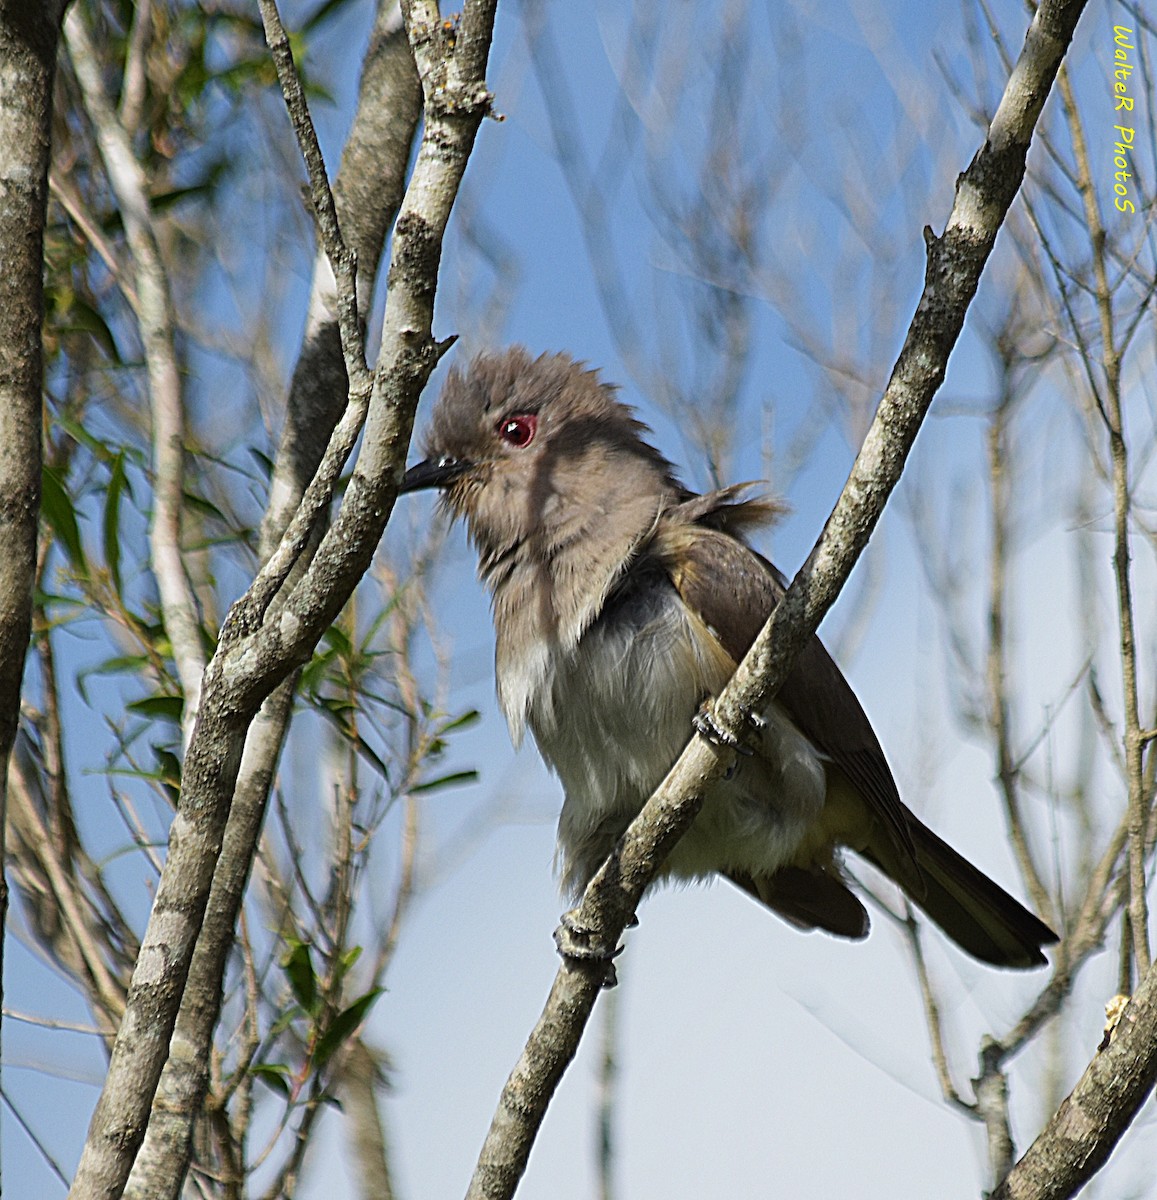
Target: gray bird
(622,601)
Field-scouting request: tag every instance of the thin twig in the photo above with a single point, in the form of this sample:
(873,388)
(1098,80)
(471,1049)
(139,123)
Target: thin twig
(1119,456)
(30,1133)
(158,323)
(341,258)
(955,261)
(991,1087)
(948,1088)
(997,671)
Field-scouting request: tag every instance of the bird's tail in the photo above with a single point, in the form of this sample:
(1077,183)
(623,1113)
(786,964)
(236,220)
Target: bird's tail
(976,913)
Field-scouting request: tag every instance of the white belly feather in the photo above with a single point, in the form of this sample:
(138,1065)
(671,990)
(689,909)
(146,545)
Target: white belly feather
(611,716)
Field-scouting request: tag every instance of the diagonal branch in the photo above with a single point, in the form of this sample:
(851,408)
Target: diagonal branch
(955,262)
(1090,1122)
(1112,350)
(342,260)
(253,661)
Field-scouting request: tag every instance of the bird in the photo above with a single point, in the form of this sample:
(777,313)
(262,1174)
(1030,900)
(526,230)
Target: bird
(622,601)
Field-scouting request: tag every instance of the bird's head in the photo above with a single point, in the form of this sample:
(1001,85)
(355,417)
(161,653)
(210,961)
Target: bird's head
(537,452)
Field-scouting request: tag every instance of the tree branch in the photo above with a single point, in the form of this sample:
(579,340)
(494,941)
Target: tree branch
(1078,1140)
(1114,422)
(955,262)
(29,31)
(158,329)
(368,191)
(248,665)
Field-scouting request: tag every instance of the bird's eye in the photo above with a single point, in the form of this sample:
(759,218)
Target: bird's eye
(518,430)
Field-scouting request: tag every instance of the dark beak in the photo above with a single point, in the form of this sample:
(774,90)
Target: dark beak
(433,473)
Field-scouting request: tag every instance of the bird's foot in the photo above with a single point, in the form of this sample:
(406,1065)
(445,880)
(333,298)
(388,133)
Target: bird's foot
(577,943)
(707,727)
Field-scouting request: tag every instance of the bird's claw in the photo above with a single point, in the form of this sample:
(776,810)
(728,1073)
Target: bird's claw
(707,727)
(578,943)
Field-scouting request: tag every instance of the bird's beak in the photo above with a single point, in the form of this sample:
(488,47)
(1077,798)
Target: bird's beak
(432,473)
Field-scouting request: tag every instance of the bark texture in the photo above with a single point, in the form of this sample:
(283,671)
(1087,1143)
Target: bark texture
(29,31)
(984,193)
(254,655)
(1092,1119)
(368,191)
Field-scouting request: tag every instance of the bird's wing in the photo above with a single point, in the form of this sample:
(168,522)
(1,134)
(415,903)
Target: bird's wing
(733,590)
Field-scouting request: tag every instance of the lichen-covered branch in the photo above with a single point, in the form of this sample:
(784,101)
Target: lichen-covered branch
(1083,1132)
(29,32)
(258,655)
(955,261)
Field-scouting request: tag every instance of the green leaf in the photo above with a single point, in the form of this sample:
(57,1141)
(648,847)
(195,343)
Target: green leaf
(469,717)
(205,507)
(165,200)
(284,1021)
(167,708)
(101,451)
(371,756)
(127,664)
(56,506)
(275,1075)
(343,1025)
(336,711)
(168,771)
(81,317)
(264,462)
(455,777)
(337,639)
(328,9)
(117,483)
(347,960)
(339,709)
(298,967)
(314,674)
(130,663)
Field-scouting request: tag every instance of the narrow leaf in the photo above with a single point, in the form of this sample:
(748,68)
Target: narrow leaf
(298,967)
(455,777)
(166,708)
(56,505)
(274,1075)
(117,483)
(343,1025)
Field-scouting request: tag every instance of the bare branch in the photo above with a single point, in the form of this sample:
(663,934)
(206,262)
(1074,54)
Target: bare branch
(955,262)
(158,327)
(368,191)
(992,1106)
(248,665)
(608,1096)
(135,76)
(29,32)
(948,1088)
(1081,1135)
(341,259)
(1111,411)
(996,673)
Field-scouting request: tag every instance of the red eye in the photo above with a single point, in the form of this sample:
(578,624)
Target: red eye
(518,430)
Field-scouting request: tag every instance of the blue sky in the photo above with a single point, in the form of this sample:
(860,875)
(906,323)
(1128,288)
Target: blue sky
(754,1060)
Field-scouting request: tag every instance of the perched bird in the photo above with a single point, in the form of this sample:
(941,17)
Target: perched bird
(622,601)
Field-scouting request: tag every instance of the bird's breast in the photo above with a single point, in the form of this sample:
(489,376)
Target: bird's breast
(613,713)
